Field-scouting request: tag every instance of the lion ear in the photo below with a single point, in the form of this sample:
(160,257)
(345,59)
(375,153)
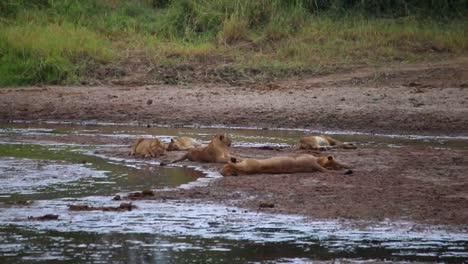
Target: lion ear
(172,140)
(330,157)
(221,137)
(233,160)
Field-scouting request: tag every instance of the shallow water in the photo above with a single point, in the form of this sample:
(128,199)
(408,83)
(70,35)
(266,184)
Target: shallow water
(241,136)
(55,175)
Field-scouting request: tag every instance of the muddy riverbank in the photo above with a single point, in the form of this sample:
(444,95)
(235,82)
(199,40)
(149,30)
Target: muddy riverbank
(421,185)
(72,193)
(422,181)
(426,99)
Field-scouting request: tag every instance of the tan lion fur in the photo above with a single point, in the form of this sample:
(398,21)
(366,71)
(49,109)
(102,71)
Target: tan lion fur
(147,147)
(323,142)
(283,164)
(183,143)
(216,151)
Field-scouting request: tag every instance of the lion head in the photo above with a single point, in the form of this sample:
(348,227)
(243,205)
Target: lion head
(173,145)
(157,146)
(229,169)
(330,163)
(224,139)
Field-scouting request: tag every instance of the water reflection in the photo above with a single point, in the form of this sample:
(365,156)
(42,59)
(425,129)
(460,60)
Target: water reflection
(213,230)
(33,172)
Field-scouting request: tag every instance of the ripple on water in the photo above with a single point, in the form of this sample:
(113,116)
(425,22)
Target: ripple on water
(26,176)
(212,221)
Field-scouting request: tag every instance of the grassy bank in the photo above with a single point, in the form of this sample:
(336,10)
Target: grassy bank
(62,42)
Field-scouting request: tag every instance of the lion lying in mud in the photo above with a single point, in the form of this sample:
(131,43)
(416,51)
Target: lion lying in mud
(216,151)
(183,143)
(323,142)
(146,147)
(284,164)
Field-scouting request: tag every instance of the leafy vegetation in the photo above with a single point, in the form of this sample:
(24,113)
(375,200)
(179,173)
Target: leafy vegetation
(58,42)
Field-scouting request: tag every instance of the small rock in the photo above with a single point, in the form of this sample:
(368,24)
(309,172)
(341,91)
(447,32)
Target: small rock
(266,205)
(214,224)
(46,217)
(413,84)
(149,102)
(147,193)
(126,206)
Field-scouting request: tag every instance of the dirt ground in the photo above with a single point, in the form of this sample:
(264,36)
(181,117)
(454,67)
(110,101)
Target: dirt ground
(426,185)
(427,99)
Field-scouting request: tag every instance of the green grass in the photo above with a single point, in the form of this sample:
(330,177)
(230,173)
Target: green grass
(59,42)
(52,53)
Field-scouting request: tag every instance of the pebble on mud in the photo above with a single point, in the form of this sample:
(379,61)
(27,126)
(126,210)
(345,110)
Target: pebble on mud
(144,193)
(46,217)
(121,207)
(266,205)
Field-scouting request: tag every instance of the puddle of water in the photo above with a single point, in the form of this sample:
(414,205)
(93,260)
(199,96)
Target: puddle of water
(44,172)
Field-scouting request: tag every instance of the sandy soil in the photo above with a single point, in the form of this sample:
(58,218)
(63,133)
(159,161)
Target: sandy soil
(417,99)
(420,184)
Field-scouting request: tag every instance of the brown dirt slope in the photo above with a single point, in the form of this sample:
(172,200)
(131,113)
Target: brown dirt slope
(417,99)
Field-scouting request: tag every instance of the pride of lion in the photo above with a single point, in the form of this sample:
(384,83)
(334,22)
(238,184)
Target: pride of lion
(217,151)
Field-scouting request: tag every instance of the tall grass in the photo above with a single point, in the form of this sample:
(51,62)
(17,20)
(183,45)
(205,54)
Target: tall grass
(54,53)
(49,41)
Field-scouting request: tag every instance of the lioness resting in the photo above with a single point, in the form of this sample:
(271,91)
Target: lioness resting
(183,143)
(283,164)
(322,142)
(147,147)
(216,151)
